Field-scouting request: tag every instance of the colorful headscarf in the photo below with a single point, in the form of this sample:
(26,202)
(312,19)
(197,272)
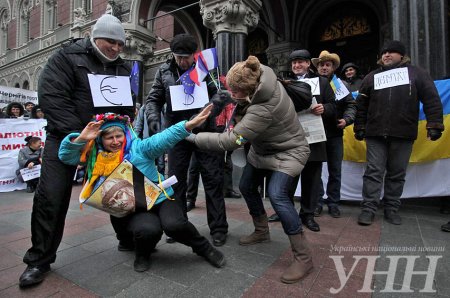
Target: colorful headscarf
(94,149)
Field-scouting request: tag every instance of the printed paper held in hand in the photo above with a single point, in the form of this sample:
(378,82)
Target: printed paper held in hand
(312,125)
(28,174)
(181,101)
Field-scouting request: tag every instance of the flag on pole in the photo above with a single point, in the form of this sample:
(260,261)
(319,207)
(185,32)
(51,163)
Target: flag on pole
(206,60)
(134,78)
(187,82)
(335,85)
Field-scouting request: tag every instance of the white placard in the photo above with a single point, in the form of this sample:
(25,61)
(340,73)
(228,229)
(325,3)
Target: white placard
(181,101)
(312,125)
(29,174)
(342,91)
(168,182)
(391,78)
(110,91)
(314,83)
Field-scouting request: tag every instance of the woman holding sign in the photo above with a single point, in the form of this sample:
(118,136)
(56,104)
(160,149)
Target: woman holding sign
(109,142)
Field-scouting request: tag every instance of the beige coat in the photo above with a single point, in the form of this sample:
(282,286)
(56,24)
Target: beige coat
(270,124)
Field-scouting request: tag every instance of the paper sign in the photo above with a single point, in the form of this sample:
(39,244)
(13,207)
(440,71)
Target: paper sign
(29,174)
(314,83)
(181,101)
(342,91)
(312,125)
(110,91)
(391,78)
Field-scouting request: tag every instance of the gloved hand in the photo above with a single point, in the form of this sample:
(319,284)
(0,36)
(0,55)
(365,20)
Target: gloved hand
(360,135)
(221,98)
(191,138)
(434,134)
(154,126)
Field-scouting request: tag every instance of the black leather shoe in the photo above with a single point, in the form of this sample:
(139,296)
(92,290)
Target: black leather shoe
(219,239)
(392,217)
(141,263)
(310,223)
(273,217)
(190,205)
(33,275)
(366,218)
(125,245)
(170,240)
(334,211)
(446,227)
(215,257)
(232,194)
(318,211)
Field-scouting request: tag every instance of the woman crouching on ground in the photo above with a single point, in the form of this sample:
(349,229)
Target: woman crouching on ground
(113,138)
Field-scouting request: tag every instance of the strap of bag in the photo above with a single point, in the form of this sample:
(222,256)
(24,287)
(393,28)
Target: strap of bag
(139,190)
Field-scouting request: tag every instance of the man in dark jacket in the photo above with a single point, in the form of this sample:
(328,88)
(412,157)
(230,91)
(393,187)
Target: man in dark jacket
(387,118)
(65,97)
(326,65)
(183,47)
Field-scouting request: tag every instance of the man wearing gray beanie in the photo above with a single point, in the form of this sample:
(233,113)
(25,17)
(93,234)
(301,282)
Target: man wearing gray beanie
(65,98)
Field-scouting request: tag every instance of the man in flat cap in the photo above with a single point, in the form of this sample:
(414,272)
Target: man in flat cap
(326,65)
(65,98)
(387,118)
(183,47)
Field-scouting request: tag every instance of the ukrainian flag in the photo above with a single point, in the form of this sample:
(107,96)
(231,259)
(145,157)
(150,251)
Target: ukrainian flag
(424,150)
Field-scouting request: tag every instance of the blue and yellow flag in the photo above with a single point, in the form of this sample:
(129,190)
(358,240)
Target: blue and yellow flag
(134,78)
(424,150)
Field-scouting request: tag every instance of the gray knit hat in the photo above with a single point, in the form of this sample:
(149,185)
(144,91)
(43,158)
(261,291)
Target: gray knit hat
(108,26)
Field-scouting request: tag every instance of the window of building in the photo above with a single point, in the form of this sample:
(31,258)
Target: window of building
(24,21)
(3,31)
(49,15)
(26,85)
(85,4)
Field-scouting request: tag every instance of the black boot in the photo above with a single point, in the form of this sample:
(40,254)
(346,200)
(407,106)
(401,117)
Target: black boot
(214,257)
(33,275)
(141,262)
(190,205)
(309,222)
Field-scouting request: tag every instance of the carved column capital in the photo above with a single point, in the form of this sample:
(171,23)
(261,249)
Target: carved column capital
(139,42)
(235,16)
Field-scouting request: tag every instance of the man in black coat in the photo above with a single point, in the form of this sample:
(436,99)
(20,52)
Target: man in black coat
(326,65)
(387,118)
(65,97)
(183,47)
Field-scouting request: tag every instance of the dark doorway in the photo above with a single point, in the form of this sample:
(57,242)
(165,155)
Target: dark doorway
(352,31)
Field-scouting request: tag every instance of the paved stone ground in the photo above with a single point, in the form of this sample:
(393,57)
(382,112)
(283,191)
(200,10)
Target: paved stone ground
(89,264)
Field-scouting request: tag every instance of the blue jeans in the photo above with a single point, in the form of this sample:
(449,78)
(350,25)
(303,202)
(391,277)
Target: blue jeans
(386,158)
(335,154)
(281,189)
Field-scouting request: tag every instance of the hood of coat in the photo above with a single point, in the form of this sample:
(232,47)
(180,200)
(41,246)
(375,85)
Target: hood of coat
(266,87)
(405,61)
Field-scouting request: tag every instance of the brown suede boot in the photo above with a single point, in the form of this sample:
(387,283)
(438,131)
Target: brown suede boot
(261,233)
(302,264)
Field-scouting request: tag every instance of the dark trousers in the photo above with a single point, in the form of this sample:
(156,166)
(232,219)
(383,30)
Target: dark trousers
(211,170)
(193,180)
(335,154)
(228,173)
(386,158)
(281,188)
(50,205)
(168,216)
(310,183)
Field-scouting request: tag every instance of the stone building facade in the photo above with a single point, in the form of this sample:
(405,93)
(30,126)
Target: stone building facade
(30,30)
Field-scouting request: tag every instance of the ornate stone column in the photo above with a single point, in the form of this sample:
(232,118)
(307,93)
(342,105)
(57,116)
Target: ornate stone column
(230,22)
